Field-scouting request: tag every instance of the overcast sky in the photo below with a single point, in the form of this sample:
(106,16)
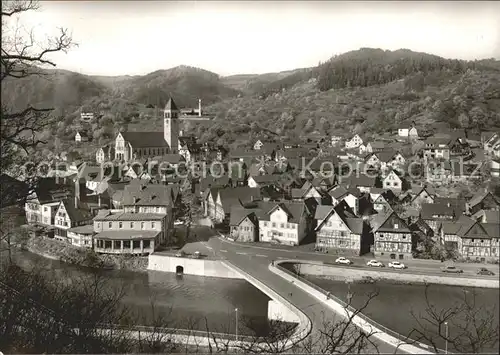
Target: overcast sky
(128,37)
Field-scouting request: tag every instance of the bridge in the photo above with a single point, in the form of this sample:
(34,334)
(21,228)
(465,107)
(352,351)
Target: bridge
(312,302)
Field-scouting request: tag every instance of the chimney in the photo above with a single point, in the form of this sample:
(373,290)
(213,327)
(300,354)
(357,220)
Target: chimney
(99,199)
(199,107)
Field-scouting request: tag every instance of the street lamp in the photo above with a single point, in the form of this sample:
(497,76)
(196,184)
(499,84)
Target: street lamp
(236,313)
(446,337)
(349,294)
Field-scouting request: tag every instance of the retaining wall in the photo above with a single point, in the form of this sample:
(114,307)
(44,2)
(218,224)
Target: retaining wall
(198,267)
(343,273)
(278,311)
(338,308)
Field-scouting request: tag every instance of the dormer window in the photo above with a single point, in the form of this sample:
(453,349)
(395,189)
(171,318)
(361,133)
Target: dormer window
(396,226)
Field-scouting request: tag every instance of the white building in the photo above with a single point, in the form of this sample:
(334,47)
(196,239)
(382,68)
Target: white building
(354,142)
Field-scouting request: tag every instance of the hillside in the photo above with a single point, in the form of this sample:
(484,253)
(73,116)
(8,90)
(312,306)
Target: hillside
(370,91)
(438,99)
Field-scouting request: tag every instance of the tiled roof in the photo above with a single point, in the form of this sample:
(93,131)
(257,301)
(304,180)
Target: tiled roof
(338,192)
(457,204)
(377,145)
(76,215)
(479,197)
(379,220)
(106,215)
(355,225)
(238,214)
(429,210)
(269,178)
(127,235)
(235,196)
(145,139)
(386,155)
(144,194)
(86,229)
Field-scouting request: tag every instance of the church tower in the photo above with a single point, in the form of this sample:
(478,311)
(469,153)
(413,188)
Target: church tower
(171,126)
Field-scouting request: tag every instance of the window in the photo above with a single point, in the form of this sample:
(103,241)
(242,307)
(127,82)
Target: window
(381,235)
(153,225)
(396,226)
(282,225)
(142,225)
(131,224)
(110,224)
(146,244)
(274,224)
(120,225)
(265,224)
(98,225)
(45,209)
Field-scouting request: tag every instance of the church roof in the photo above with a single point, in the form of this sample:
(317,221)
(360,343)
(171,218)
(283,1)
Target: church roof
(171,105)
(145,139)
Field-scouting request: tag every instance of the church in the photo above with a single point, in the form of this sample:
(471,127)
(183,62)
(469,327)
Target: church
(137,145)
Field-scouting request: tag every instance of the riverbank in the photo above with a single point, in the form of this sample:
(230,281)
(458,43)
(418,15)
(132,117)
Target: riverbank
(337,273)
(70,254)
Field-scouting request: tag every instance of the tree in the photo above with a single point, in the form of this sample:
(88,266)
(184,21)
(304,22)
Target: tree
(23,56)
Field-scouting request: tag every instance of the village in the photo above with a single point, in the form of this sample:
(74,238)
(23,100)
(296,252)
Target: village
(413,195)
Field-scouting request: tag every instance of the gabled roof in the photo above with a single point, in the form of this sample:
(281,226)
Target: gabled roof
(238,214)
(171,105)
(386,155)
(379,220)
(323,213)
(480,196)
(488,216)
(294,210)
(266,179)
(338,192)
(77,214)
(145,139)
(237,196)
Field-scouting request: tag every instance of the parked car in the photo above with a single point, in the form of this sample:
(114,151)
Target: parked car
(343,260)
(196,255)
(452,269)
(374,263)
(396,265)
(485,271)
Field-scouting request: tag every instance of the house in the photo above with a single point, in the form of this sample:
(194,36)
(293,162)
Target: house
(485,201)
(393,182)
(438,172)
(354,142)
(42,204)
(421,195)
(263,180)
(70,214)
(188,148)
(306,191)
(244,224)
(106,153)
(392,236)
(284,222)
(459,205)
(434,214)
(81,236)
(218,202)
(464,171)
(128,232)
(437,148)
(381,200)
(362,149)
(362,182)
(81,136)
(374,147)
(487,216)
(390,159)
(340,231)
(350,196)
(408,132)
(471,239)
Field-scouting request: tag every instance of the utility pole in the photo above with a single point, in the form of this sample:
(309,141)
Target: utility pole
(236,313)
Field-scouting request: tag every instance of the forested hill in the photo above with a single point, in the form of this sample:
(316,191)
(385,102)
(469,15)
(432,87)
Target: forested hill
(367,67)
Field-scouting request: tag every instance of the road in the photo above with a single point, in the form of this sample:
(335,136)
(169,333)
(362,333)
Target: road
(269,253)
(256,263)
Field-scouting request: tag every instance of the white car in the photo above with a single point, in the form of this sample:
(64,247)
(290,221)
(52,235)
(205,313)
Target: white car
(397,265)
(374,263)
(343,260)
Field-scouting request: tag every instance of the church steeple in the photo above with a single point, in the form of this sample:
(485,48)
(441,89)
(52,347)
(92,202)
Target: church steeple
(171,125)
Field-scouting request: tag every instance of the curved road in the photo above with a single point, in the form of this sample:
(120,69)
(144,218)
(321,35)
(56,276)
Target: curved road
(257,265)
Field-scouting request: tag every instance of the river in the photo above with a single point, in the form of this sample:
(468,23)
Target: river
(187,301)
(398,306)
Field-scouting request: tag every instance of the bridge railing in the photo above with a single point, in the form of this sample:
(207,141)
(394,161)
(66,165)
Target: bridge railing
(352,310)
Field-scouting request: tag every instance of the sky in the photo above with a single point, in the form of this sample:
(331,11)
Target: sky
(225,37)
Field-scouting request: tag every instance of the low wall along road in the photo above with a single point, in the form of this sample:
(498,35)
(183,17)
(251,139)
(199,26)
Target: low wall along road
(314,268)
(369,326)
(190,266)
